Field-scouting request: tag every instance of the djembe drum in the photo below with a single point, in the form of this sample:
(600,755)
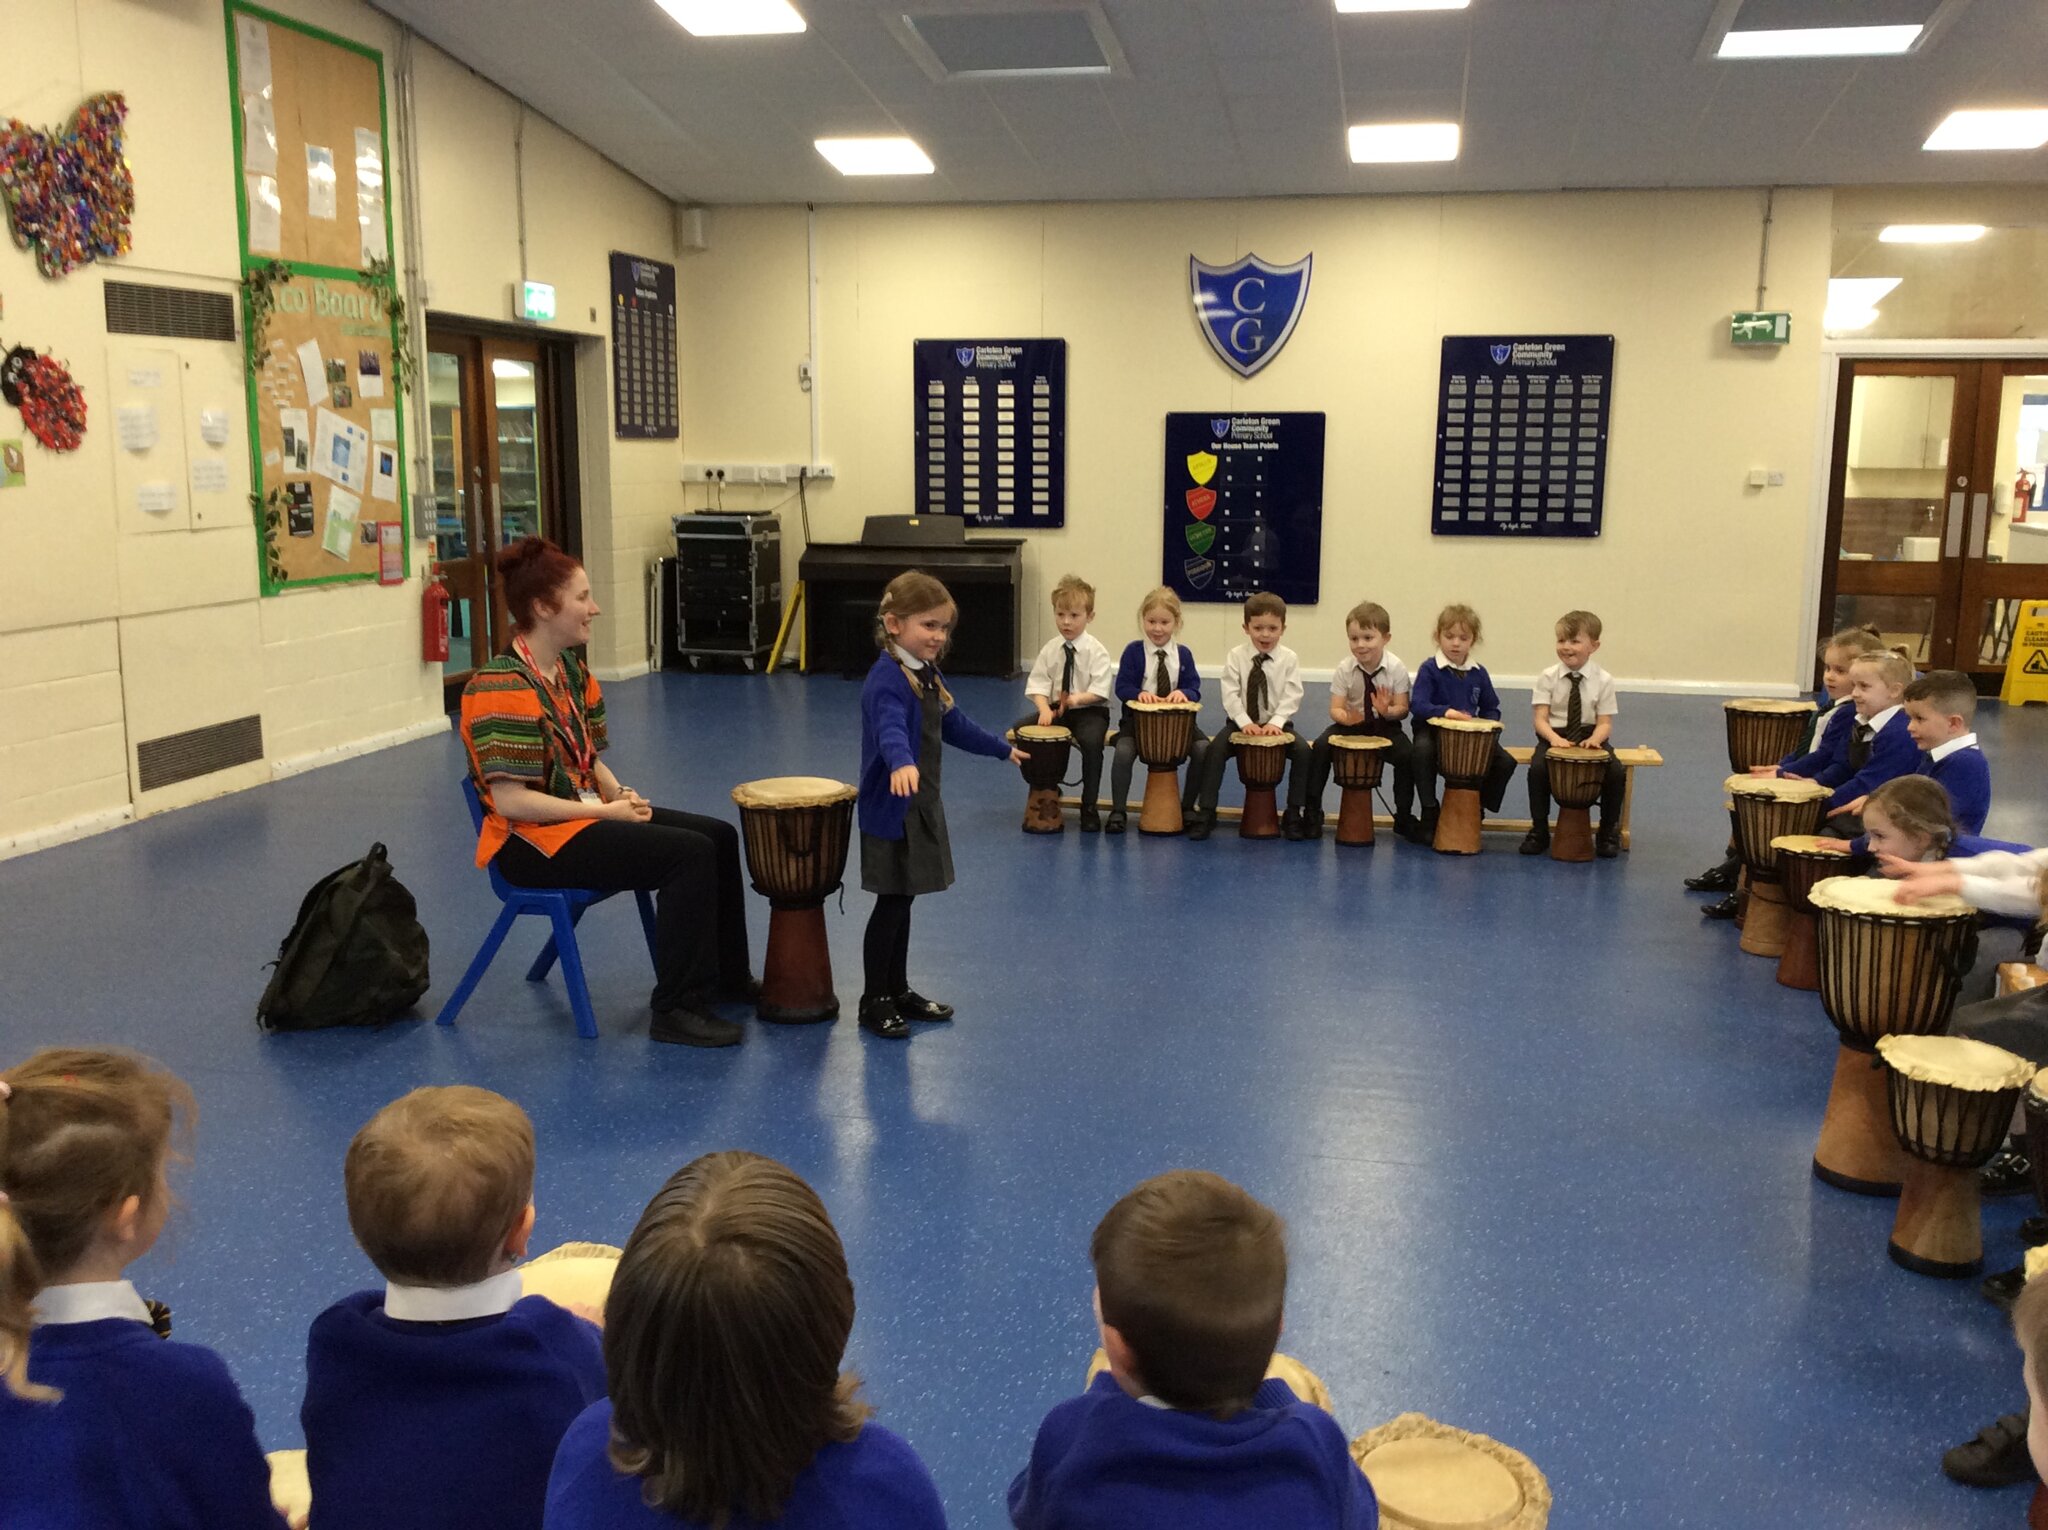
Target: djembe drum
(1429,1476)
(1768,808)
(1044,767)
(1762,731)
(1356,760)
(1577,777)
(1464,748)
(796,829)
(1951,1100)
(1165,735)
(1886,969)
(1261,762)
(1803,861)
(2035,1103)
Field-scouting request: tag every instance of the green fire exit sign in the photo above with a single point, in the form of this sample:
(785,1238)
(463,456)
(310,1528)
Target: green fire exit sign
(1760,328)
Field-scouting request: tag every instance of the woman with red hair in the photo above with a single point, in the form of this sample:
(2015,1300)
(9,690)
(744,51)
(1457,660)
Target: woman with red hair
(556,816)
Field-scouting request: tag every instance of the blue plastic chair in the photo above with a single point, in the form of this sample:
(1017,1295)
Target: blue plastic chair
(562,907)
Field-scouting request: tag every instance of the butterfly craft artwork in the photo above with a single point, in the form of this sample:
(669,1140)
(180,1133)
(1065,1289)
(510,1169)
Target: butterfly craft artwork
(68,191)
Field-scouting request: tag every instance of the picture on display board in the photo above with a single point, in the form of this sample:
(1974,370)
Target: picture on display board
(1244,506)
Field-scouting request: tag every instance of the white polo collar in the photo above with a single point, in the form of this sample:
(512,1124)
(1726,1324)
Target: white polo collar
(89,1301)
(451,1304)
(1942,751)
(1448,667)
(1876,723)
(903,657)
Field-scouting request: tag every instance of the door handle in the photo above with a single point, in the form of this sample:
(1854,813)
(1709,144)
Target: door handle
(1954,546)
(1979,505)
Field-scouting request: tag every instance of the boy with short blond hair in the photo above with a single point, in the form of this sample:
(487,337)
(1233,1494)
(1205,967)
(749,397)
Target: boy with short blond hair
(440,1400)
(1939,707)
(1575,706)
(1185,1429)
(1261,694)
(1369,691)
(1070,684)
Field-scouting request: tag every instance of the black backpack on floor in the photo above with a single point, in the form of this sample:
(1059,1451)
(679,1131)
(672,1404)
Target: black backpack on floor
(356,954)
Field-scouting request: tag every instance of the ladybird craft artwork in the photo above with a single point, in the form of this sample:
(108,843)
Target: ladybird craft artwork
(51,403)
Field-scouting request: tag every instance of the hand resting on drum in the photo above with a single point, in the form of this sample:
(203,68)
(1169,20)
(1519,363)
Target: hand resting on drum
(1151,700)
(1261,730)
(1770,772)
(1920,880)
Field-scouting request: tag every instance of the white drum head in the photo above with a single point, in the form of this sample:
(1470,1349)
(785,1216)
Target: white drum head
(792,792)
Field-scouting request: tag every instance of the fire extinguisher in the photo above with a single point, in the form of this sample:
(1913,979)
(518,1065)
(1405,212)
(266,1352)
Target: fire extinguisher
(434,603)
(2022,494)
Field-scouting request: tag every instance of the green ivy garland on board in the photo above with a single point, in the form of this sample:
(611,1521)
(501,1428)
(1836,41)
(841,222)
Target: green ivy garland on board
(268,510)
(381,282)
(259,301)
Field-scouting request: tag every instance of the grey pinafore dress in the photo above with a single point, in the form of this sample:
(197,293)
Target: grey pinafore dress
(922,860)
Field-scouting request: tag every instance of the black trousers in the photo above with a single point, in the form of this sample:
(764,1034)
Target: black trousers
(1126,751)
(1400,753)
(690,863)
(1500,769)
(1612,790)
(1219,756)
(1090,726)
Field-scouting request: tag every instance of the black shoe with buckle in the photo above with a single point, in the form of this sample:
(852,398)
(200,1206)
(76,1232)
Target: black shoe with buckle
(1722,908)
(1535,842)
(690,1028)
(1719,878)
(1996,1458)
(2003,1289)
(2010,1173)
(879,1016)
(915,1006)
(1114,824)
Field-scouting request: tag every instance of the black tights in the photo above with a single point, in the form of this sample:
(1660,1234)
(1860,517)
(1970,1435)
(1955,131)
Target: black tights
(885,953)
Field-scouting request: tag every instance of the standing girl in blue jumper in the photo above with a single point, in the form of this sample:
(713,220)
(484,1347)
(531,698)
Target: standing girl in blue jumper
(101,1421)
(906,717)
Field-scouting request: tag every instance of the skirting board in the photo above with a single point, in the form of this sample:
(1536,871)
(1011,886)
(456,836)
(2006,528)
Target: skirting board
(299,764)
(610,673)
(63,833)
(1771,688)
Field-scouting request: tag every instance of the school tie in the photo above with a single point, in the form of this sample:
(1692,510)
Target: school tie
(1859,746)
(1161,685)
(1067,673)
(1365,684)
(1574,716)
(1255,692)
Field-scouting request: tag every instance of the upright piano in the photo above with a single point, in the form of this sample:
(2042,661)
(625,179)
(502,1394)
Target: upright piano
(843,583)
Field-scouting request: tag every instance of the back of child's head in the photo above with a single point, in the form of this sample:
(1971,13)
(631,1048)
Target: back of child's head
(1265,603)
(1916,805)
(1947,692)
(1073,593)
(1852,641)
(1457,614)
(1370,616)
(436,1182)
(80,1132)
(1893,668)
(723,1336)
(1161,599)
(1192,1273)
(1578,624)
(911,593)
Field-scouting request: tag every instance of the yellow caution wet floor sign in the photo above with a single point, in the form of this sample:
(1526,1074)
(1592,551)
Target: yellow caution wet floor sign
(2026,666)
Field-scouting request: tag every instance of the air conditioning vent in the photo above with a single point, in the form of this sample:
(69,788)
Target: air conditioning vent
(183,313)
(987,43)
(198,752)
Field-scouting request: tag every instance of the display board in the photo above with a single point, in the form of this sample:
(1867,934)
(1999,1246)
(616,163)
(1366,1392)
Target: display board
(326,416)
(991,434)
(1521,435)
(644,349)
(1244,506)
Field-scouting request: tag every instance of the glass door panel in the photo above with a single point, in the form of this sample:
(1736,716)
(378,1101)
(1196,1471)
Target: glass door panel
(515,397)
(455,465)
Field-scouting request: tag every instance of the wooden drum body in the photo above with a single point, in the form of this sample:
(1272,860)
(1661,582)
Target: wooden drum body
(1165,735)
(796,830)
(1577,777)
(1261,763)
(1356,760)
(1769,808)
(1044,767)
(1805,860)
(1951,1101)
(1762,730)
(1464,748)
(1886,969)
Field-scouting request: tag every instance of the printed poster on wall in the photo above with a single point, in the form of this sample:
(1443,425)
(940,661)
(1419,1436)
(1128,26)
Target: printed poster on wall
(1244,506)
(1521,435)
(991,435)
(643,349)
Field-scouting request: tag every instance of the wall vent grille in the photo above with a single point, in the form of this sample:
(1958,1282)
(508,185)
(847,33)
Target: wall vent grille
(198,752)
(184,313)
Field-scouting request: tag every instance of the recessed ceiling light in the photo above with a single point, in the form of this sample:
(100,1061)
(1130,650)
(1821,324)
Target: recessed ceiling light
(1931,233)
(1361,7)
(1852,300)
(1818,42)
(1402,143)
(875,156)
(2026,128)
(733,18)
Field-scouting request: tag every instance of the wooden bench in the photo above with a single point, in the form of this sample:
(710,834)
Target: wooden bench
(1631,758)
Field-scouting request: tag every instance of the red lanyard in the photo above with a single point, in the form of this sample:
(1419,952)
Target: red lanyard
(565,711)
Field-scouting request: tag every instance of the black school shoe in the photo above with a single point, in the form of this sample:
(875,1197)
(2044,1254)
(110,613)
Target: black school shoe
(2010,1173)
(1290,824)
(1200,827)
(1114,824)
(1421,831)
(915,1006)
(1607,846)
(1719,878)
(1091,821)
(2003,1289)
(690,1028)
(879,1017)
(1722,908)
(1996,1458)
(1311,823)
(1535,842)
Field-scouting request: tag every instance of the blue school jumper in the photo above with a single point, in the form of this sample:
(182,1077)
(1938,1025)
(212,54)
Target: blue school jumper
(871,1482)
(149,1435)
(1106,1461)
(1966,776)
(890,723)
(451,1425)
(1831,747)
(1132,679)
(1892,754)
(1438,690)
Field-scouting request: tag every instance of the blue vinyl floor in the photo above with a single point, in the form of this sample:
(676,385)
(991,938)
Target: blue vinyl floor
(1541,1135)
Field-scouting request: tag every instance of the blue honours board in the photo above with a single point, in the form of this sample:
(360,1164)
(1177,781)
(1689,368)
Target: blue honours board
(1521,435)
(643,349)
(1244,506)
(991,433)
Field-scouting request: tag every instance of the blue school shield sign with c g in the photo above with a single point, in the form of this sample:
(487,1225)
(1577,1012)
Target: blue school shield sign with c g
(1248,310)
